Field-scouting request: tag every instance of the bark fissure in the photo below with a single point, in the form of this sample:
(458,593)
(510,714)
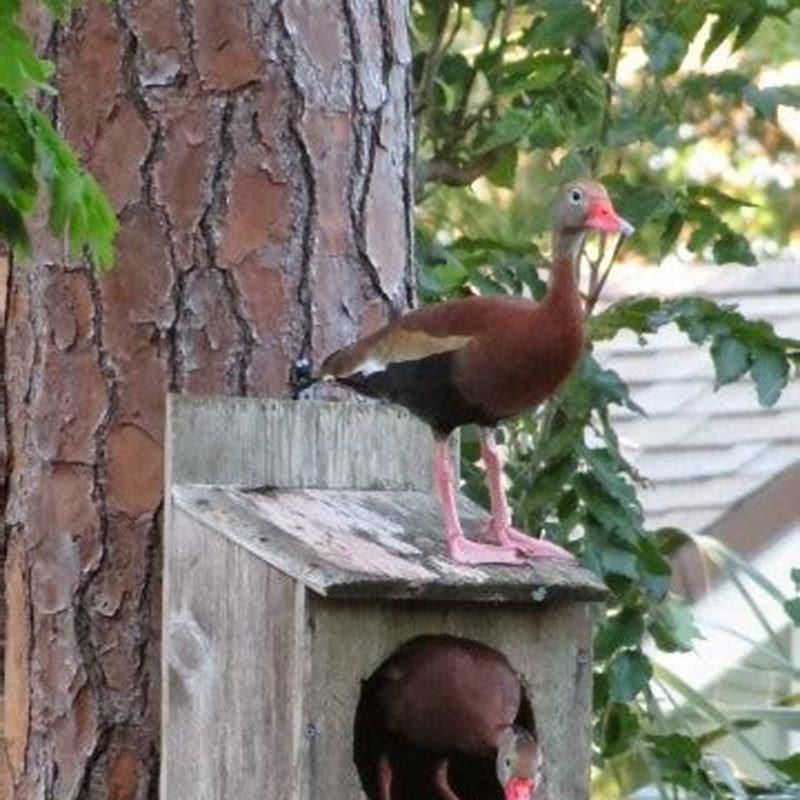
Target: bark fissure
(225,152)
(8,451)
(366,134)
(408,192)
(308,220)
(88,647)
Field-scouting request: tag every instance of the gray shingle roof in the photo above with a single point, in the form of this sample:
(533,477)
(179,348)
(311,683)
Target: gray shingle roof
(704,450)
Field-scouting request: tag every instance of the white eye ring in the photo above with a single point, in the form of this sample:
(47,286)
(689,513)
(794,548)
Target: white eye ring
(576,196)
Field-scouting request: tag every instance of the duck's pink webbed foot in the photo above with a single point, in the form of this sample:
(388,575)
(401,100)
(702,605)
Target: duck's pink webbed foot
(464,550)
(507,536)
(499,528)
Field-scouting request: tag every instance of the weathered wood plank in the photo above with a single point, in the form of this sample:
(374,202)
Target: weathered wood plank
(549,647)
(261,442)
(228,650)
(361,544)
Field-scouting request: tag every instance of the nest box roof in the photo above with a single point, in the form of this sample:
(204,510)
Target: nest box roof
(372,544)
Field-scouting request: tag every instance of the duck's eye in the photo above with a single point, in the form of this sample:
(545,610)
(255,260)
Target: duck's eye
(576,196)
(508,762)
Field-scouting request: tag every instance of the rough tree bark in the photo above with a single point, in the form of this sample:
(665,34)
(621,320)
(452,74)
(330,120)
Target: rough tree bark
(259,156)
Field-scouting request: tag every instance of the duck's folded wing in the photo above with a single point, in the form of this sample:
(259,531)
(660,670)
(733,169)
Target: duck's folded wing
(394,344)
(430,331)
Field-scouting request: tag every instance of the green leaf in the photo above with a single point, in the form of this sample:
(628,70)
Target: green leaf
(21,70)
(561,22)
(12,227)
(731,359)
(608,560)
(628,674)
(788,766)
(793,610)
(724,25)
(719,199)
(546,130)
(729,83)
(733,247)
(770,371)
(624,629)
(615,516)
(78,206)
(484,11)
(532,74)
(665,49)
(635,314)
(748,27)
(765,102)
(678,745)
(606,387)
(619,729)
(17,159)
(795,574)
(672,626)
(504,172)
(10,8)
(510,128)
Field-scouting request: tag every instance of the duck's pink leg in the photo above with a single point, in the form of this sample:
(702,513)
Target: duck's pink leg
(442,781)
(461,548)
(500,528)
(385,778)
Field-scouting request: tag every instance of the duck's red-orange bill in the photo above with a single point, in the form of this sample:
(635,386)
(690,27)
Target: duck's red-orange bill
(602,217)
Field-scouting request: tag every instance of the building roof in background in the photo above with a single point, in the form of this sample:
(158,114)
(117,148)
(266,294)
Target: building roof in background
(705,451)
(717,460)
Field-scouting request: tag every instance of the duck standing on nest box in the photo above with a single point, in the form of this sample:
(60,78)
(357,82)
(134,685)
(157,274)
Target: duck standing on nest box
(449,698)
(481,360)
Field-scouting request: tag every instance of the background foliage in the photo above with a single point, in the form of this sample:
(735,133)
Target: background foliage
(675,107)
(32,154)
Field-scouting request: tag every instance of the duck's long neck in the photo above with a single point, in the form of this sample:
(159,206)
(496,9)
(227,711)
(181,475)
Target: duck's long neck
(562,288)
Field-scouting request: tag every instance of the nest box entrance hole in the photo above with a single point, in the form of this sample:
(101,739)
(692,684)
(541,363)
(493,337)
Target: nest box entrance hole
(420,687)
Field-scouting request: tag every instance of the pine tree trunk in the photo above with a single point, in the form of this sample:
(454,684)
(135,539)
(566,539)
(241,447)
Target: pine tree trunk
(259,157)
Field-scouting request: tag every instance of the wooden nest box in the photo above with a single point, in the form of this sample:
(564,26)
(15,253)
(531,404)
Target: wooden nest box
(304,545)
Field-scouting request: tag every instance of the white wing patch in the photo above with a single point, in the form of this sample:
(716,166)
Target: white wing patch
(370,366)
(398,346)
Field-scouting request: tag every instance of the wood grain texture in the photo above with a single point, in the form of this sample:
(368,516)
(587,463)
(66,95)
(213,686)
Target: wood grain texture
(383,545)
(260,442)
(230,675)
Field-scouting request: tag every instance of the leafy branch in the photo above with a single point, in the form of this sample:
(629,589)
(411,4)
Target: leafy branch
(32,153)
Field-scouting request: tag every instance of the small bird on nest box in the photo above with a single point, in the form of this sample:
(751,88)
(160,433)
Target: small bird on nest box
(448,698)
(482,360)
